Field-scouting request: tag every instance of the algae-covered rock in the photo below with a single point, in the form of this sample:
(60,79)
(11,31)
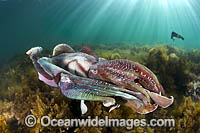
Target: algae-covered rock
(194,90)
(173,57)
(187,116)
(115,56)
(171,70)
(194,55)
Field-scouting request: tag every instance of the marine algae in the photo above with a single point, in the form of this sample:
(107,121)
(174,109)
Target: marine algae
(187,116)
(3,125)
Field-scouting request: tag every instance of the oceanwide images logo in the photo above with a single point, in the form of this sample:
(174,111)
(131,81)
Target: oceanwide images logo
(30,121)
(46,121)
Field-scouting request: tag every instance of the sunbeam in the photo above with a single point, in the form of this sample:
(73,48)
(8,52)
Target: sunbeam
(100,21)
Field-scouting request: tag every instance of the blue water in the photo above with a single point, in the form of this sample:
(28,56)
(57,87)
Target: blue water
(28,23)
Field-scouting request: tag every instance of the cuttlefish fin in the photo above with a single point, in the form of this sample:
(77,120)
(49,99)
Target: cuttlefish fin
(84,108)
(62,48)
(162,101)
(140,108)
(88,51)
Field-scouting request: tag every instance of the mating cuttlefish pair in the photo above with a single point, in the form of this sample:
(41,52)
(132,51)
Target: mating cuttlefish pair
(84,76)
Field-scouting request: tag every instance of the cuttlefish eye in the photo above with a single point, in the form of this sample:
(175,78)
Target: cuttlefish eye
(94,71)
(65,79)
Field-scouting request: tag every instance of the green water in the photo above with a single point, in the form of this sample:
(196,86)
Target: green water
(28,23)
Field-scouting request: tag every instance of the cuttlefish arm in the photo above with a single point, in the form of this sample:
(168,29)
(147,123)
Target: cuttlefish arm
(162,101)
(94,90)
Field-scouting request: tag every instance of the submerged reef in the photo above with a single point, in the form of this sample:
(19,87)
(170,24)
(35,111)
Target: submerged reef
(194,90)
(22,93)
(187,116)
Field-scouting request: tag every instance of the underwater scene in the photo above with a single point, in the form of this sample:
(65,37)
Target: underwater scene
(100,66)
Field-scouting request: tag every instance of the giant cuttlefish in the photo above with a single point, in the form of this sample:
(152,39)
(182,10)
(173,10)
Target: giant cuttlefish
(138,79)
(77,74)
(174,34)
